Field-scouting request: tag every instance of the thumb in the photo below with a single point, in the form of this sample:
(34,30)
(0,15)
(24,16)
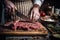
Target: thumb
(15,8)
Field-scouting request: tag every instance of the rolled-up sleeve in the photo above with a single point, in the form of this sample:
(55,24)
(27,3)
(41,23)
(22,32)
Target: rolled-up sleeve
(38,2)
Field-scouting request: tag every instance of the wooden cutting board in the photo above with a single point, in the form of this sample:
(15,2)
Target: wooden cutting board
(42,31)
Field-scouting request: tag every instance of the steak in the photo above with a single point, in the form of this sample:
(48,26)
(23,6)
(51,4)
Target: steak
(24,25)
(27,25)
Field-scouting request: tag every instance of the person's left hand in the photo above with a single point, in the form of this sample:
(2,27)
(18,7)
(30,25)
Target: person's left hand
(35,15)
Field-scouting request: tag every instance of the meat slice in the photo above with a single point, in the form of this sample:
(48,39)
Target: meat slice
(27,25)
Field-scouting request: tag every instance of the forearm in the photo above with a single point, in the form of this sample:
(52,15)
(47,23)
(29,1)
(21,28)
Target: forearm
(6,0)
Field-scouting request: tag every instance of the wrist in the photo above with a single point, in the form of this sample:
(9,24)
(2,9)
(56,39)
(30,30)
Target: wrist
(36,7)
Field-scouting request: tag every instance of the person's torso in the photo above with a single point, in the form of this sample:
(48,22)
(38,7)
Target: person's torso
(23,6)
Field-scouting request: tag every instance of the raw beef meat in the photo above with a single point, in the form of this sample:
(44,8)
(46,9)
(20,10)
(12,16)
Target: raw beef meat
(19,25)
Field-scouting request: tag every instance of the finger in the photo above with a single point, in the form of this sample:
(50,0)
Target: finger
(15,8)
(9,9)
(12,9)
(6,9)
(36,16)
(31,14)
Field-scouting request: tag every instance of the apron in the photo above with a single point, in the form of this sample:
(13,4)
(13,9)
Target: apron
(23,6)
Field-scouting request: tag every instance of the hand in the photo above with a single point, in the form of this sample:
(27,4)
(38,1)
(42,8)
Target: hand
(10,6)
(35,15)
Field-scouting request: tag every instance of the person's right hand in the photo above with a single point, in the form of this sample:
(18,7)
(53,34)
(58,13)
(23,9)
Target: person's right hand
(10,6)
